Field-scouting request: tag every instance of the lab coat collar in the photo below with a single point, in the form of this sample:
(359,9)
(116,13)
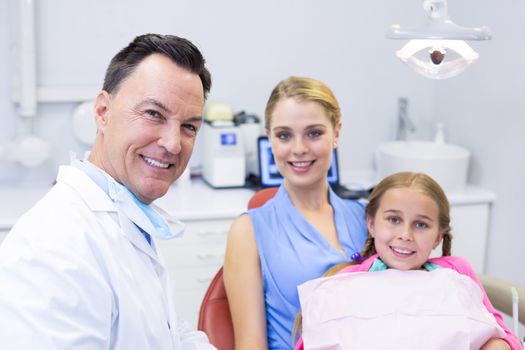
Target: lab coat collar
(91,193)
(154,221)
(98,201)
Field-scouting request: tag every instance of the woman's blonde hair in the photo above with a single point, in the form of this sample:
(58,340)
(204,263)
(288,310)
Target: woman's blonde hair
(303,89)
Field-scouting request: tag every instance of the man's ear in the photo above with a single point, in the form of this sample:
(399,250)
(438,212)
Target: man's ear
(371,226)
(102,107)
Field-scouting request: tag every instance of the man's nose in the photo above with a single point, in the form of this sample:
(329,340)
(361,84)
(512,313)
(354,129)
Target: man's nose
(170,138)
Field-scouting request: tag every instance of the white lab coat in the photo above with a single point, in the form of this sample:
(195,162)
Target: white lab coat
(73,277)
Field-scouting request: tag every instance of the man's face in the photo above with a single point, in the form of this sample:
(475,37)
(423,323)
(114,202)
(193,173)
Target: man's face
(147,129)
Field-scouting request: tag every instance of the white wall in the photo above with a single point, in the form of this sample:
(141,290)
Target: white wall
(250,46)
(484,110)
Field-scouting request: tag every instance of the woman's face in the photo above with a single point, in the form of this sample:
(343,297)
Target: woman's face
(405,228)
(302,138)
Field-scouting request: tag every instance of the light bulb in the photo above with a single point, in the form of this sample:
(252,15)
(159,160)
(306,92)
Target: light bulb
(437,55)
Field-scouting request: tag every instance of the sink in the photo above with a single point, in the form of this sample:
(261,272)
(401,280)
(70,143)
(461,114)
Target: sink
(445,163)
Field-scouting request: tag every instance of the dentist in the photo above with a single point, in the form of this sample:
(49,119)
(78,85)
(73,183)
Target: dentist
(80,269)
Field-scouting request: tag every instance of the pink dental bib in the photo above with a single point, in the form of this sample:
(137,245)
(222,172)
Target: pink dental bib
(394,309)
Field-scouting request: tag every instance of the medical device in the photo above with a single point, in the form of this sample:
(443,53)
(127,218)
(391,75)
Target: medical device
(223,163)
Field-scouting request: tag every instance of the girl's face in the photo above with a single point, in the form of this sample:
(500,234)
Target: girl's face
(302,139)
(405,228)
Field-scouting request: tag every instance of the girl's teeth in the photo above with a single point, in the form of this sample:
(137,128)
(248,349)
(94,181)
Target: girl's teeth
(156,163)
(402,251)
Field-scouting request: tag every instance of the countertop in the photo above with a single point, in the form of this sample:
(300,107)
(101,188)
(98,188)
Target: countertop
(194,201)
(16,201)
(366,179)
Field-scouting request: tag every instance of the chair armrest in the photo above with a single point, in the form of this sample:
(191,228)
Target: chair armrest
(500,295)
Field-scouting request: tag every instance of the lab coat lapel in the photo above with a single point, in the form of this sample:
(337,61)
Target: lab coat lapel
(133,234)
(89,191)
(97,200)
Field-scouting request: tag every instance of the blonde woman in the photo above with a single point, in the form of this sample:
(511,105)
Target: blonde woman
(302,231)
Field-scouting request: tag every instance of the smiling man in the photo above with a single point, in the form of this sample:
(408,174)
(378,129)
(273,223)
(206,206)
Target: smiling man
(80,269)
(148,125)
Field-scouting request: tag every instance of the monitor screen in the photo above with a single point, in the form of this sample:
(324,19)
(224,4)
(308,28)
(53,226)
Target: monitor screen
(270,175)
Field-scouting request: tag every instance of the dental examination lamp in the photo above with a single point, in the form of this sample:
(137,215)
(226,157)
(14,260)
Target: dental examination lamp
(437,49)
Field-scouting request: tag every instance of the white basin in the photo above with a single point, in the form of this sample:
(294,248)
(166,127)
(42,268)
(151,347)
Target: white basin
(445,163)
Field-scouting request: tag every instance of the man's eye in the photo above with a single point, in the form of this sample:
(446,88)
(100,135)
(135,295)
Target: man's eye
(190,127)
(152,113)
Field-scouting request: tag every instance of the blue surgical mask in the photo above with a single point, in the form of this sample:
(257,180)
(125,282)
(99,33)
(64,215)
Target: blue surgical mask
(143,215)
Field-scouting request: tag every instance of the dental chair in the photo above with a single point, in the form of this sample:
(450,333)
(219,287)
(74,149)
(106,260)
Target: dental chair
(214,315)
(500,295)
(215,318)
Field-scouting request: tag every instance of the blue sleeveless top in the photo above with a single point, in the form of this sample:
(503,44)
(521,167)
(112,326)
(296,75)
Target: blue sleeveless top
(292,251)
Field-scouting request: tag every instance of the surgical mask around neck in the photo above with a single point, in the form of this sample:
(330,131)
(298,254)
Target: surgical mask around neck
(143,215)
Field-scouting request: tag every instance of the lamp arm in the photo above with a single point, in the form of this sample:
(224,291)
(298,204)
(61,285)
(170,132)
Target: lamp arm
(436,8)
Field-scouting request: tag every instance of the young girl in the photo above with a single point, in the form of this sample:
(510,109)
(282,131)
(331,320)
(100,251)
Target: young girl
(407,217)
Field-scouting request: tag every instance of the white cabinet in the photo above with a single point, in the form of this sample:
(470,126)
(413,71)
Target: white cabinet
(192,262)
(194,259)
(470,228)
(470,220)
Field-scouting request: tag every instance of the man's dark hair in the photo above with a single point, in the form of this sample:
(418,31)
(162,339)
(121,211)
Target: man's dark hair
(181,51)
